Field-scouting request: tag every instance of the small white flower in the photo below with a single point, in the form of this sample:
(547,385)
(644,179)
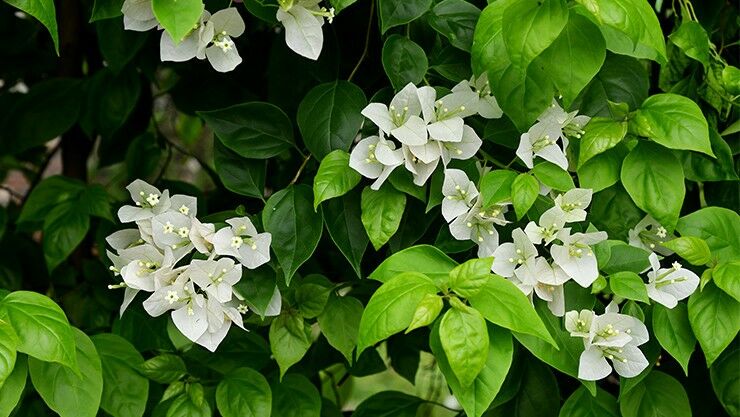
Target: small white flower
(242,309)
(216,277)
(138,15)
(148,200)
(576,257)
(571,125)
(463,150)
(444,117)
(648,234)
(459,193)
(303,20)
(541,140)
(172,230)
(511,256)
(375,158)
(124,239)
(401,119)
(144,262)
(242,241)
(579,323)
(573,204)
(668,286)
(218,31)
(201,235)
(485,103)
(550,224)
(420,170)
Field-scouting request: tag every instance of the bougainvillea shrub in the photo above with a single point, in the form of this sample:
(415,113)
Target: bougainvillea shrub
(399,208)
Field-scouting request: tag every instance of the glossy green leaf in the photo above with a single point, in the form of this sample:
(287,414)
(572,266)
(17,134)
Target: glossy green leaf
(693,41)
(672,329)
(42,328)
(240,175)
(654,179)
(602,171)
(657,394)
(183,406)
(252,130)
(389,403)
(455,20)
(8,345)
(502,303)
(125,390)
(691,248)
(394,13)
(12,389)
(329,117)
(296,229)
(403,61)
(725,379)
(44,11)
(290,339)
(295,396)
(553,176)
(524,191)
(495,186)
(426,312)
(468,278)
(425,259)
(68,393)
(727,277)
(537,394)
(530,26)
(712,315)
(582,404)
(629,285)
(601,135)
(177,17)
(244,392)
(391,308)
(342,217)
(165,368)
(719,227)
(64,228)
(334,178)
(381,213)
(465,342)
(339,322)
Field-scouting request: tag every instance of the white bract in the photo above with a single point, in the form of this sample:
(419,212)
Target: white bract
(668,286)
(375,157)
(611,336)
(518,255)
(401,118)
(303,20)
(545,281)
(573,204)
(199,294)
(188,47)
(138,15)
(485,104)
(649,235)
(576,257)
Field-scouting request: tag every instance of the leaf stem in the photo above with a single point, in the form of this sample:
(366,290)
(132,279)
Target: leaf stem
(300,169)
(367,42)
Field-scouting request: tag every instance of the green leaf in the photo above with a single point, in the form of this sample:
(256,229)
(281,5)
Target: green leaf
(295,227)
(602,171)
(654,179)
(726,380)
(403,61)
(693,249)
(339,5)
(672,329)
(12,389)
(8,345)
(56,101)
(64,228)
(252,130)
(502,303)
(613,211)
(538,393)
(240,175)
(530,26)
(402,180)
(44,12)
(295,396)
(426,312)
(260,292)
(582,404)
(713,316)
(726,275)
(290,339)
(388,403)
(476,398)
(424,259)
(629,285)
(381,213)
(673,121)
(601,135)
(65,391)
(106,9)
(395,13)
(565,359)
(118,45)
(183,406)
(339,322)
(719,227)
(125,391)
(165,368)
(468,278)
(622,79)
(312,294)
(329,117)
(488,42)
(334,178)
(630,27)
(342,217)
(657,394)
(700,167)
(465,342)
(495,186)
(553,176)
(455,20)
(693,41)
(177,17)
(524,191)
(391,308)
(623,257)
(244,392)
(42,328)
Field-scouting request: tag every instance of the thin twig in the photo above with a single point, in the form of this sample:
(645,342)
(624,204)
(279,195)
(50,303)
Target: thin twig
(367,42)
(300,169)
(18,196)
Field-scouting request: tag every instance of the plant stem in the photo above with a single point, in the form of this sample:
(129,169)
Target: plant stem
(367,42)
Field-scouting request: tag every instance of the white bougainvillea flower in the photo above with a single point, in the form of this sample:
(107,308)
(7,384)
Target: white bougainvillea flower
(303,20)
(485,104)
(149,202)
(463,150)
(243,242)
(478,225)
(550,224)
(614,329)
(218,32)
(511,256)
(191,319)
(401,119)
(138,15)
(571,124)
(216,277)
(445,116)
(540,280)
(668,286)
(129,293)
(145,263)
(421,171)
(578,323)
(554,295)
(171,230)
(201,236)
(375,157)
(628,361)
(188,48)
(649,235)
(125,239)
(576,257)
(171,296)
(573,204)
(541,140)
(459,193)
